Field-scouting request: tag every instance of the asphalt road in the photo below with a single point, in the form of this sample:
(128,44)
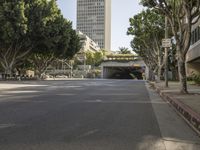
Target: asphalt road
(89,115)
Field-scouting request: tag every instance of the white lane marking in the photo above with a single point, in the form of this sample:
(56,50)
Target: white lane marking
(70,86)
(2,126)
(13,86)
(98,100)
(88,133)
(66,94)
(4,95)
(16,92)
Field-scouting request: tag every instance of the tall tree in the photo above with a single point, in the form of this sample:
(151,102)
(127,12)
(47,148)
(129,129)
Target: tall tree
(181,14)
(14,43)
(147,28)
(74,45)
(89,58)
(50,33)
(94,58)
(124,50)
(37,28)
(98,58)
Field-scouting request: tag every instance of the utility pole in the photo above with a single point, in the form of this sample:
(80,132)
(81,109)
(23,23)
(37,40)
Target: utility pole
(166,53)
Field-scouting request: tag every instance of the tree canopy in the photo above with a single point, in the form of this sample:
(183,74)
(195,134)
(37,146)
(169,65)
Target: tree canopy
(14,43)
(94,58)
(37,28)
(181,15)
(147,29)
(124,50)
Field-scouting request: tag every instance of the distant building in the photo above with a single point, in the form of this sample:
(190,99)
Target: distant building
(94,20)
(193,55)
(87,43)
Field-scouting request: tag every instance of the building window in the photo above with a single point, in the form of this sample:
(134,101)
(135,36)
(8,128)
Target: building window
(195,36)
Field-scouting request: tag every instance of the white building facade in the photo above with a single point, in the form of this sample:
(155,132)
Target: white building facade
(94,20)
(87,43)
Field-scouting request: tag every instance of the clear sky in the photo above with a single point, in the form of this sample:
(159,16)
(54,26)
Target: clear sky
(122,10)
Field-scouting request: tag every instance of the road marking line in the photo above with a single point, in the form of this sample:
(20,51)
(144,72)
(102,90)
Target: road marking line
(88,133)
(2,126)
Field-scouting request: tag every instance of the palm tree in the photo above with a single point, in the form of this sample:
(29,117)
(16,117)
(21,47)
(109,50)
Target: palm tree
(124,50)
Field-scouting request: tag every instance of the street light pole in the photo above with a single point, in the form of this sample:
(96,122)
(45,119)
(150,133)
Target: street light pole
(166,53)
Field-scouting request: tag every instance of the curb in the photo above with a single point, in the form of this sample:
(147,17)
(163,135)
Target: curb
(190,116)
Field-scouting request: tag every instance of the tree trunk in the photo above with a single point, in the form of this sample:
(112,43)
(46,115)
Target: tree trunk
(151,74)
(159,73)
(182,75)
(159,65)
(8,72)
(38,72)
(181,69)
(174,74)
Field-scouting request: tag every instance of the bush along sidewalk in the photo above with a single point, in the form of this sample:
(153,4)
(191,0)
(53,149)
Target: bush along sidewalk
(196,78)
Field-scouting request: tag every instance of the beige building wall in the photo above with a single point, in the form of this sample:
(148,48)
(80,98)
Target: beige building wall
(193,68)
(193,55)
(94,20)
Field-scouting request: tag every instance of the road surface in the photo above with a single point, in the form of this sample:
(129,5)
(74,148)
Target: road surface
(90,115)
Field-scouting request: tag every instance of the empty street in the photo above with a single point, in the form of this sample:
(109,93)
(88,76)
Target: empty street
(90,115)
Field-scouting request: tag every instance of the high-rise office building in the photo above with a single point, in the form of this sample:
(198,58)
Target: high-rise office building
(94,20)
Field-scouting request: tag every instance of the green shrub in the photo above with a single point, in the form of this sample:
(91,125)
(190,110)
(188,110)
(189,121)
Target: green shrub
(196,78)
(132,75)
(190,78)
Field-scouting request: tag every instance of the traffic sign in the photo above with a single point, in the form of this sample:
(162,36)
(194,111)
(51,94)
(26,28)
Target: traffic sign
(166,43)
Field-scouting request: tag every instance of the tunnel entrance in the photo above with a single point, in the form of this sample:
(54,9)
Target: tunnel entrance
(123,73)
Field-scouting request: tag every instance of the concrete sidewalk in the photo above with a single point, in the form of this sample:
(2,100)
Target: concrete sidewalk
(187,105)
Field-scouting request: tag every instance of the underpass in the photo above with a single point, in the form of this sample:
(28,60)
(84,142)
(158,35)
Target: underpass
(123,67)
(123,72)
